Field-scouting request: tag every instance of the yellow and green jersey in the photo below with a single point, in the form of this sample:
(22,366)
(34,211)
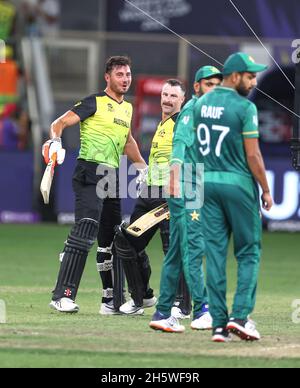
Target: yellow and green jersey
(160,154)
(104,128)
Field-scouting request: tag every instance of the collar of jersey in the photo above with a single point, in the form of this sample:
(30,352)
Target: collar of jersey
(113,99)
(225,88)
(171,117)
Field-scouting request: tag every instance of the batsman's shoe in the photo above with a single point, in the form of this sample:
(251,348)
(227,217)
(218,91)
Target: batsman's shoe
(202,321)
(108,309)
(129,308)
(166,324)
(244,329)
(221,335)
(179,314)
(64,305)
(149,302)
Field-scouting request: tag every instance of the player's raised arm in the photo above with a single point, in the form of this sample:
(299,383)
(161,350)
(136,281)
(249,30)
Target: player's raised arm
(257,167)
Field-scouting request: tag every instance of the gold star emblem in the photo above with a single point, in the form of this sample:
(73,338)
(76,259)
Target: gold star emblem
(195,216)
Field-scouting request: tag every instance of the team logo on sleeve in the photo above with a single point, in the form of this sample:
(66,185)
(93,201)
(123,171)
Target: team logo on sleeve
(186,120)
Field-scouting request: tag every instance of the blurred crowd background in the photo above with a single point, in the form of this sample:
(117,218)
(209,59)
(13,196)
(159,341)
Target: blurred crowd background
(53,54)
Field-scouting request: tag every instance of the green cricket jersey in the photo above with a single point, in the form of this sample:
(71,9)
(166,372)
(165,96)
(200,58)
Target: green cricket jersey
(184,152)
(160,154)
(184,136)
(223,119)
(104,128)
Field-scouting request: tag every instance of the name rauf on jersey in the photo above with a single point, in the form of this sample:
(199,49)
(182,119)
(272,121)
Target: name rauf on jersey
(212,112)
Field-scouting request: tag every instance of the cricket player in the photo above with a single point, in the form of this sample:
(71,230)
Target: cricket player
(105,121)
(186,239)
(131,250)
(227,141)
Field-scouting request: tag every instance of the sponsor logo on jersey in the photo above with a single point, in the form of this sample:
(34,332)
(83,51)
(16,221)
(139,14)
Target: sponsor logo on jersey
(121,122)
(186,120)
(162,133)
(110,107)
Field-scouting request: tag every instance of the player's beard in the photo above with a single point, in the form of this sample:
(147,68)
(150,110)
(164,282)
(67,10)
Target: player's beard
(201,92)
(242,90)
(120,90)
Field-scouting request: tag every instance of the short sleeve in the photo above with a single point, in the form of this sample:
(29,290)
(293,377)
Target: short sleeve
(85,108)
(250,123)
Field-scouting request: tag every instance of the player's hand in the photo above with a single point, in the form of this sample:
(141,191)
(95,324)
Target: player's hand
(52,147)
(173,189)
(267,201)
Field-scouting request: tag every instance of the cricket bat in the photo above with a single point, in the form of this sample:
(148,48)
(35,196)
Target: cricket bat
(47,179)
(147,221)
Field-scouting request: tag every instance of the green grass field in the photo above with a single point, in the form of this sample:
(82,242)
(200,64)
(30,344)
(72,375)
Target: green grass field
(36,337)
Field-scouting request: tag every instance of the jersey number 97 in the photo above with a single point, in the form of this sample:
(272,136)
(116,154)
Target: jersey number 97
(204,137)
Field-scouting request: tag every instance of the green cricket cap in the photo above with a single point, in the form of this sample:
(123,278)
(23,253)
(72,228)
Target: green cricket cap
(241,63)
(207,72)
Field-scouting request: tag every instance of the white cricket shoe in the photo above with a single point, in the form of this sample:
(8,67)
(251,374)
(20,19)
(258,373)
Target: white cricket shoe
(221,335)
(176,312)
(129,308)
(169,325)
(64,305)
(244,329)
(149,302)
(203,322)
(108,309)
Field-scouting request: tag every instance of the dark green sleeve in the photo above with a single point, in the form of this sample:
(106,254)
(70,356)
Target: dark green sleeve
(178,152)
(185,127)
(250,123)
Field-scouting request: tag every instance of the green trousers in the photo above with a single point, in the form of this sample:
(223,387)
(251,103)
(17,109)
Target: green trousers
(185,253)
(230,209)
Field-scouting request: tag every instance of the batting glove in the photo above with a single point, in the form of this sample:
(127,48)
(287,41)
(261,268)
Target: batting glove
(52,147)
